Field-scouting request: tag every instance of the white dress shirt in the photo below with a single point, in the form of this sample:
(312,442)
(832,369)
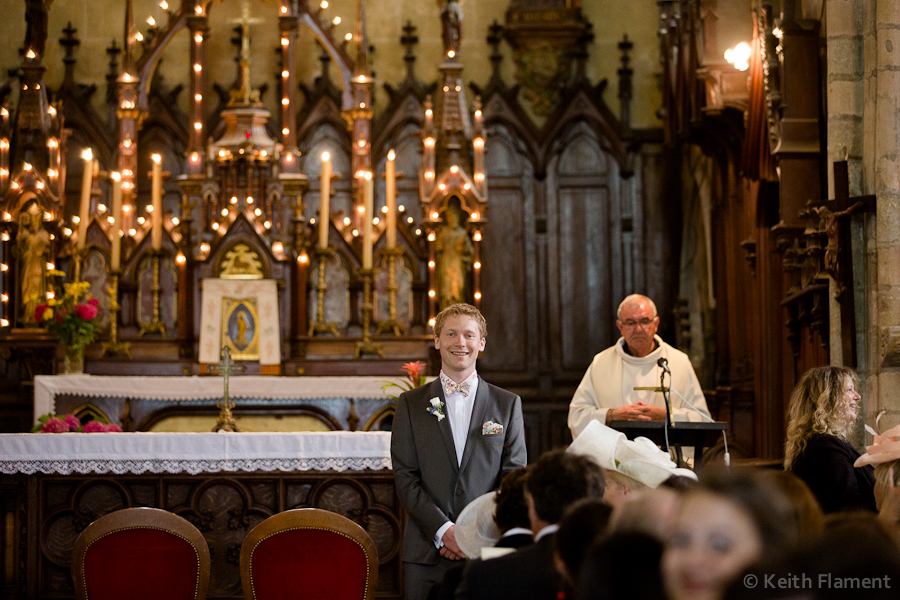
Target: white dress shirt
(459,412)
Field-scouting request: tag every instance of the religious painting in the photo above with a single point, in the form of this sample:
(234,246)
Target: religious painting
(239,328)
(242,315)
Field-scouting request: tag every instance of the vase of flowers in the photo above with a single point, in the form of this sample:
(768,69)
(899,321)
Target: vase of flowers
(72,317)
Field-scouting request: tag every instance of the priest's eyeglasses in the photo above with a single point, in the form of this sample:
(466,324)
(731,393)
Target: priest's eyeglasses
(644,323)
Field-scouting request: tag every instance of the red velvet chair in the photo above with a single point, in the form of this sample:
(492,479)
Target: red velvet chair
(140,554)
(308,554)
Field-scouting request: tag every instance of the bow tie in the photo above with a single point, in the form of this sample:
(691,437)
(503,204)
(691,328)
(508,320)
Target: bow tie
(451,387)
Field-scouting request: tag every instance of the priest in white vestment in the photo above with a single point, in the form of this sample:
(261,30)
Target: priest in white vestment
(606,393)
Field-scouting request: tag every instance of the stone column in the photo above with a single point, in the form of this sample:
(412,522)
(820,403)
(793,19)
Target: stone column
(881,30)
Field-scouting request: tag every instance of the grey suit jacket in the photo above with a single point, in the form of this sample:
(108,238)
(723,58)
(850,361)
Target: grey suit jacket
(432,487)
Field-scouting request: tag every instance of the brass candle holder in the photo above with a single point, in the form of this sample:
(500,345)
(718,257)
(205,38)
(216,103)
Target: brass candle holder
(114,346)
(391,323)
(366,345)
(154,326)
(320,325)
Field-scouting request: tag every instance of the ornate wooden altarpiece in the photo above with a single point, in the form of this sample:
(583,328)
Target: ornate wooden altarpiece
(556,196)
(565,205)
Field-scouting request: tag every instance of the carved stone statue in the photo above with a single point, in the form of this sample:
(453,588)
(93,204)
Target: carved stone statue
(453,250)
(451,24)
(32,243)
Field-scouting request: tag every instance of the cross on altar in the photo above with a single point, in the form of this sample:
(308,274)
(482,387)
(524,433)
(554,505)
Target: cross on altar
(226,367)
(838,260)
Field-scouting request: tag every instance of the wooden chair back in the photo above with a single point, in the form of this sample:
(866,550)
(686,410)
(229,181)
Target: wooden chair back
(309,553)
(140,554)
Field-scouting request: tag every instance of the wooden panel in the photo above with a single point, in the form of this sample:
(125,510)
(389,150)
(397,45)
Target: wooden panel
(503,256)
(223,506)
(586,309)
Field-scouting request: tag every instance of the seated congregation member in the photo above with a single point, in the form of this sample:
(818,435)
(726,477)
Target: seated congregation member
(726,524)
(511,512)
(606,393)
(510,515)
(855,546)
(629,466)
(584,522)
(821,416)
(623,565)
(453,440)
(556,481)
(884,455)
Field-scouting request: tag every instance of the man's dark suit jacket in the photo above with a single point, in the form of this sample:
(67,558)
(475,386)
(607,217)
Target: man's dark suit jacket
(446,589)
(526,574)
(432,487)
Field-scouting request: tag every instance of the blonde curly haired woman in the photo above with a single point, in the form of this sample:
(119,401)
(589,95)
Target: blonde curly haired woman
(821,416)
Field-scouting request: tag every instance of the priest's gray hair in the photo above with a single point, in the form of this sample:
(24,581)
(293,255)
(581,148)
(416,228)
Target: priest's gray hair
(634,299)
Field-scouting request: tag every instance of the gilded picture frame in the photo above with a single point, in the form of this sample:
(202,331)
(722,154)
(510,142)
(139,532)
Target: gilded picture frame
(240,327)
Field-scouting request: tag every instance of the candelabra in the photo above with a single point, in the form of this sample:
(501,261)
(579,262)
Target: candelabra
(320,325)
(154,326)
(114,346)
(391,323)
(366,345)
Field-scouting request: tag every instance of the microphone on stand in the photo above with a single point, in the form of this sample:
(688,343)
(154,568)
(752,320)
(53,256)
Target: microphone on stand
(663,364)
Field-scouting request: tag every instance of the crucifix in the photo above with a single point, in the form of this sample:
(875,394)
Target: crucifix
(226,366)
(245,95)
(838,261)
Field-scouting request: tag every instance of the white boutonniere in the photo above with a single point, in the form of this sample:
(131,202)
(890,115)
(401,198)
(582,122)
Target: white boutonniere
(437,408)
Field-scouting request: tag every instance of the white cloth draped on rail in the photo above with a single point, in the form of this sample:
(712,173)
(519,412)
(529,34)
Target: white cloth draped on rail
(193,453)
(47,387)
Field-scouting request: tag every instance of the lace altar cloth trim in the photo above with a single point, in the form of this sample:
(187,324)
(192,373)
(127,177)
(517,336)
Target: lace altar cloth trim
(47,387)
(193,453)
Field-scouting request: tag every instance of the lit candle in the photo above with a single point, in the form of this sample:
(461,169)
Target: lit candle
(115,255)
(87,181)
(367,221)
(156,196)
(390,189)
(324,200)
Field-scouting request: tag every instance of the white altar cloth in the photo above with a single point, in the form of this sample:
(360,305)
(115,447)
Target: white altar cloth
(46,388)
(193,453)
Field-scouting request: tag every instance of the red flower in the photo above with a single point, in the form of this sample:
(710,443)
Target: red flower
(39,312)
(93,302)
(413,370)
(72,422)
(86,311)
(94,427)
(55,425)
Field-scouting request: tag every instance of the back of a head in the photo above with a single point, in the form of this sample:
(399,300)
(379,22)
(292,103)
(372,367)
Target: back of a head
(805,511)
(651,511)
(511,509)
(579,527)
(622,565)
(558,479)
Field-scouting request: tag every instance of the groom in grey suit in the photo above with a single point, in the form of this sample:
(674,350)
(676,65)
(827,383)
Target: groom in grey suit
(453,440)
